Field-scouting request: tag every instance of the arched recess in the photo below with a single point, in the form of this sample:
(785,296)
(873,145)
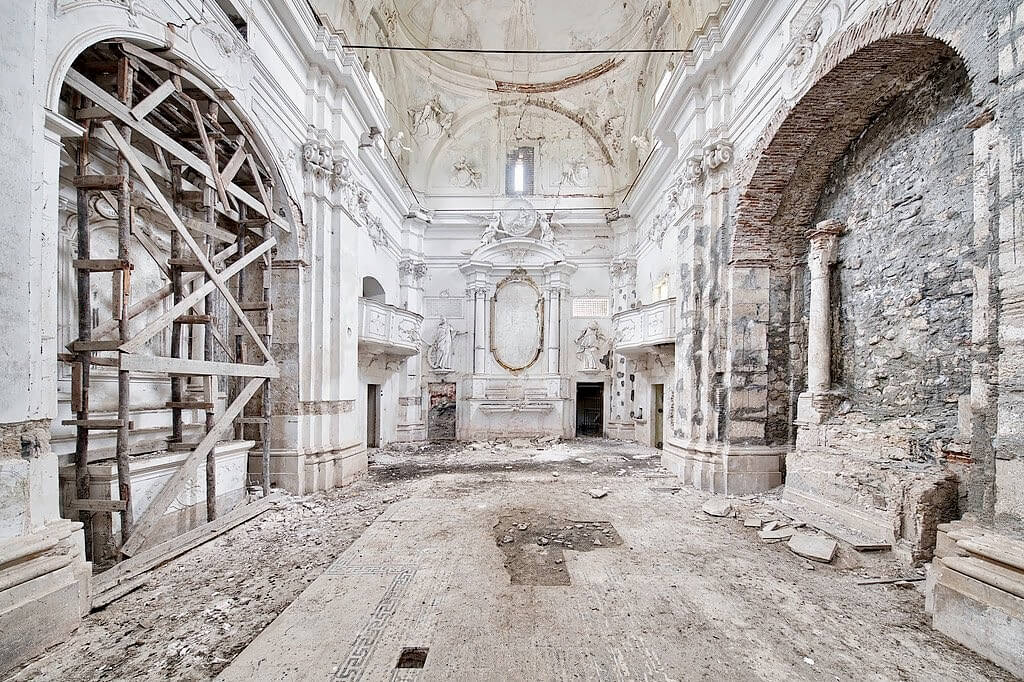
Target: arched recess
(861,73)
(373,290)
(179,287)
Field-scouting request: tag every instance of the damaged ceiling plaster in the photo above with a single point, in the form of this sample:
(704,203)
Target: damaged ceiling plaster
(456,115)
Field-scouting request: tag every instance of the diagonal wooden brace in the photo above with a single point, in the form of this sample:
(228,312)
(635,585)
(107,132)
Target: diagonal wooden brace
(187,471)
(161,201)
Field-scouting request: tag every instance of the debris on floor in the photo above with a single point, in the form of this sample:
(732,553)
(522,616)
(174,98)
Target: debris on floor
(597,493)
(718,506)
(814,547)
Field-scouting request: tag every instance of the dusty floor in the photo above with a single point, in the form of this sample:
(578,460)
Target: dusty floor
(419,555)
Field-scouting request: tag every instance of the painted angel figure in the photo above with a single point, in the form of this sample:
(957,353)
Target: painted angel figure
(588,345)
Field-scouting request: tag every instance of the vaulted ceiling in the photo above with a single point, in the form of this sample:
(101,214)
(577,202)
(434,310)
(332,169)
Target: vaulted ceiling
(456,115)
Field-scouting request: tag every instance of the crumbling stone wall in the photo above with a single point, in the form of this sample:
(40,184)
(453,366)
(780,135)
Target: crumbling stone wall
(903,283)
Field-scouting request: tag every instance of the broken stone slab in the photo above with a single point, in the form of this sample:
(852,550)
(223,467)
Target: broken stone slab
(814,547)
(777,534)
(772,525)
(751,522)
(718,506)
(597,493)
(584,460)
(521,443)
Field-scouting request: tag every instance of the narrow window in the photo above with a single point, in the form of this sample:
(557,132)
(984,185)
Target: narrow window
(519,171)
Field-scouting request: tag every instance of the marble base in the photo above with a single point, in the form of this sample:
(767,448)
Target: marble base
(305,473)
(975,600)
(147,475)
(44,590)
(724,469)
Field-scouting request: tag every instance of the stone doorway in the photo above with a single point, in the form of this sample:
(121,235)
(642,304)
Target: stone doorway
(658,414)
(373,415)
(590,409)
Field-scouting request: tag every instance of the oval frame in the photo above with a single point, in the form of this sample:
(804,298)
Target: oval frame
(518,276)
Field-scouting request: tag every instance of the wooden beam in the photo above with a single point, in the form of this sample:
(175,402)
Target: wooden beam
(234,164)
(153,100)
(211,153)
(267,204)
(165,318)
(160,294)
(101,97)
(184,366)
(106,586)
(98,505)
(161,201)
(187,470)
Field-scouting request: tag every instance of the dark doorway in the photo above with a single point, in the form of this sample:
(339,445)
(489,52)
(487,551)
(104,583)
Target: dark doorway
(658,410)
(589,409)
(441,418)
(373,415)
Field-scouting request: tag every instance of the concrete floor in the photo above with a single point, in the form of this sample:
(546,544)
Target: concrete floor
(684,596)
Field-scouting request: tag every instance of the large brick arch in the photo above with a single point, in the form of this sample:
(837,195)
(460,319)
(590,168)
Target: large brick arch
(857,77)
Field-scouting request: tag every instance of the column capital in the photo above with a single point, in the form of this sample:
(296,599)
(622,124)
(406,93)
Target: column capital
(824,239)
(826,230)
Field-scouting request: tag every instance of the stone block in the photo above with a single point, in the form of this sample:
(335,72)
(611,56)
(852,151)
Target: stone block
(983,618)
(814,547)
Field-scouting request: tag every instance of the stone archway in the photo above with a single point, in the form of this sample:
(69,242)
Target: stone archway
(857,76)
(862,78)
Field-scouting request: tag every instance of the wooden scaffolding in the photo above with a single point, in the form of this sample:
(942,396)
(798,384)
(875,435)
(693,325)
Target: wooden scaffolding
(157,136)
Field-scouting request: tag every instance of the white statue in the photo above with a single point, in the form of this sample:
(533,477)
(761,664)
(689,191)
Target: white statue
(588,345)
(439,354)
(492,230)
(397,145)
(643,146)
(431,119)
(547,234)
(465,175)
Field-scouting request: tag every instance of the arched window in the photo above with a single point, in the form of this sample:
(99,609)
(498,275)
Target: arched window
(373,291)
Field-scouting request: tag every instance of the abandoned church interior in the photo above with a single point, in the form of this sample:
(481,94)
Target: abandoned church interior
(512,340)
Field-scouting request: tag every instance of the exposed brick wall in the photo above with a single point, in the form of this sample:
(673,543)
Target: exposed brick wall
(858,75)
(903,283)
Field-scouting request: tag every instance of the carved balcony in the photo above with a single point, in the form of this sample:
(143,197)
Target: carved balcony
(388,330)
(649,329)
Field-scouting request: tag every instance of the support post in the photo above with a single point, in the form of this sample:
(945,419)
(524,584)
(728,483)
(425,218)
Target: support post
(84,357)
(822,255)
(121,303)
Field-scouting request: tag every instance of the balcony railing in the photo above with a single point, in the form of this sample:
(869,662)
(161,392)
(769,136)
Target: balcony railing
(387,330)
(645,329)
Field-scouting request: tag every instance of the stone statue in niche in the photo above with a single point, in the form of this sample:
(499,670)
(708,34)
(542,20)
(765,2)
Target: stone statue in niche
(465,175)
(441,349)
(588,346)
